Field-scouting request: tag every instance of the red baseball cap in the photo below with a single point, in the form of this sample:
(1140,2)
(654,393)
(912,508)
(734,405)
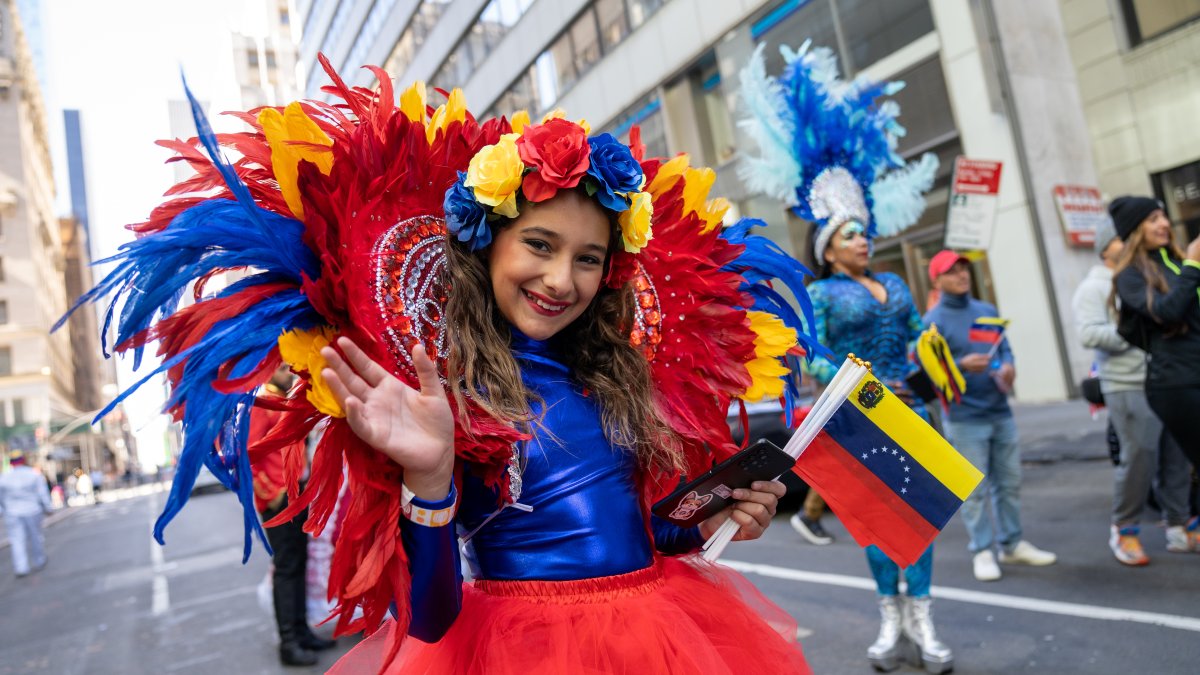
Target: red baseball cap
(943,261)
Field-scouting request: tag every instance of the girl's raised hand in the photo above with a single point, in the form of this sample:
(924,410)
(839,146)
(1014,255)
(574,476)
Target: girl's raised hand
(413,428)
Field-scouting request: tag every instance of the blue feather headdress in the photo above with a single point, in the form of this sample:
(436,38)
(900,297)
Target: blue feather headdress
(827,148)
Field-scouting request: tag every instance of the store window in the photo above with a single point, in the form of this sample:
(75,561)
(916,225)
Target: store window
(1179,190)
(1148,19)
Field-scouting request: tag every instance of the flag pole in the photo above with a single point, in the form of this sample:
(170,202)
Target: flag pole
(847,378)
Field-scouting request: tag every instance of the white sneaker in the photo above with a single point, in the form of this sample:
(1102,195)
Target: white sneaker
(1179,541)
(986,568)
(1025,553)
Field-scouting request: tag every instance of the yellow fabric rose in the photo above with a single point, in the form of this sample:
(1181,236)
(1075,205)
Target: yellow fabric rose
(293,136)
(772,340)
(635,222)
(302,351)
(495,175)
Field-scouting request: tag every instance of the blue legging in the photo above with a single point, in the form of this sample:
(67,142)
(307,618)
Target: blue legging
(887,573)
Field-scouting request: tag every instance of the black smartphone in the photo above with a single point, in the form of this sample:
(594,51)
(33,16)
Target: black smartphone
(701,498)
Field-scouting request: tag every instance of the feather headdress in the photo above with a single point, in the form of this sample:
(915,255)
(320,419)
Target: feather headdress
(827,147)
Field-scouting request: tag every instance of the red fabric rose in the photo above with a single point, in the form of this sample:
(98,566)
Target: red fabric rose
(557,151)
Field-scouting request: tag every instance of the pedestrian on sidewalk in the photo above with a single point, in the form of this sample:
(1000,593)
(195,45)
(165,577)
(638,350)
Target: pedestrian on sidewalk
(1149,457)
(980,425)
(24,500)
(1157,284)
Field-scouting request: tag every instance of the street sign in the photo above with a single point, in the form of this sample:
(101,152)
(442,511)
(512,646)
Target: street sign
(1081,210)
(973,196)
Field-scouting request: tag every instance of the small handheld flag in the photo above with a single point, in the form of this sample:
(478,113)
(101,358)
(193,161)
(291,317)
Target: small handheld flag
(892,480)
(935,358)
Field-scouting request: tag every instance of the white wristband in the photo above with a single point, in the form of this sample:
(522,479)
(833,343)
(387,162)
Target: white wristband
(423,516)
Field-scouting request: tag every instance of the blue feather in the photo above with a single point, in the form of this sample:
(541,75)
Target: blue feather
(150,276)
(761,261)
(836,124)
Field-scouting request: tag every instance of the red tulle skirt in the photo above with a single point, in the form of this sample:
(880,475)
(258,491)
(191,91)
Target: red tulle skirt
(677,616)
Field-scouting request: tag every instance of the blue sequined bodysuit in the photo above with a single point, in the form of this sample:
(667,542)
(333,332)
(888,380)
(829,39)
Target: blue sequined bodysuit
(586,520)
(851,321)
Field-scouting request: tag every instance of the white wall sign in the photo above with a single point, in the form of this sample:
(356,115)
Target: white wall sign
(973,196)
(1082,211)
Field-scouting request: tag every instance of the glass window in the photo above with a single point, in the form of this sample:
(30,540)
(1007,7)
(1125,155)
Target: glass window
(641,10)
(561,58)
(5,361)
(614,25)
(3,311)
(647,114)
(1179,189)
(873,30)
(585,38)
(252,58)
(18,405)
(791,23)
(924,108)
(1146,19)
(271,58)
(1,269)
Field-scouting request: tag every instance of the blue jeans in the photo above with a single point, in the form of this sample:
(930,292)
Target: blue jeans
(993,448)
(887,573)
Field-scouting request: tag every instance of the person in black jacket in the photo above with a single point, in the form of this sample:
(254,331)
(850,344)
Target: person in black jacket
(1156,285)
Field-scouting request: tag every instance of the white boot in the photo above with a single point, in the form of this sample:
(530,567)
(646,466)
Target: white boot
(927,648)
(884,654)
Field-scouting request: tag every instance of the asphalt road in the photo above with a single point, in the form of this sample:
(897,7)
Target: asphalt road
(107,603)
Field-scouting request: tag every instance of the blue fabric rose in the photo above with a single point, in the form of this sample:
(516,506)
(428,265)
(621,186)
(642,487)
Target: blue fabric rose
(466,218)
(613,169)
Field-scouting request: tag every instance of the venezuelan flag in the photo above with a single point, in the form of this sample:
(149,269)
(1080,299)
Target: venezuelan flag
(892,480)
(987,329)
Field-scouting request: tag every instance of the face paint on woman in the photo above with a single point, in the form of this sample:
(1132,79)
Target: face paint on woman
(849,233)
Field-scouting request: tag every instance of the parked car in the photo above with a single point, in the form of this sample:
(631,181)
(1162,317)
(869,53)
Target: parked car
(206,482)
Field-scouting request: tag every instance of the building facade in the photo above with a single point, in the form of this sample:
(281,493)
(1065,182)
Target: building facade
(50,383)
(1022,82)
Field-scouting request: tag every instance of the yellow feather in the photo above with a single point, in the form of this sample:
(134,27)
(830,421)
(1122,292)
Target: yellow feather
(302,351)
(292,136)
(667,175)
(773,338)
(412,102)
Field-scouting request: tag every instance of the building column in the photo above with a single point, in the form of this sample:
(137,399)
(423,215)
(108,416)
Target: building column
(1025,283)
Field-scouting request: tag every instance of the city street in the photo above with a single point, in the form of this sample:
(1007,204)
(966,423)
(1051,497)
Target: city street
(108,602)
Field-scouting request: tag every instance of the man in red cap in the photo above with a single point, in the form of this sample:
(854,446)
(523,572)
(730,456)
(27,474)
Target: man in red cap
(981,425)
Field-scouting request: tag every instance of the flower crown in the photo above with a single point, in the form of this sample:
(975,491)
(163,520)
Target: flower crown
(538,160)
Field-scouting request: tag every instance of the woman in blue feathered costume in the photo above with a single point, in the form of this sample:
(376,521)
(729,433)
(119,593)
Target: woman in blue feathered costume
(828,150)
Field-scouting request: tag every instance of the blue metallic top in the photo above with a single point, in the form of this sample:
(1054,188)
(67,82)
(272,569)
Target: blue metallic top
(586,520)
(851,321)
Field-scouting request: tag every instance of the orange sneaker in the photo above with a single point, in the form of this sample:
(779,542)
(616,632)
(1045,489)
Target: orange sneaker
(1126,546)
